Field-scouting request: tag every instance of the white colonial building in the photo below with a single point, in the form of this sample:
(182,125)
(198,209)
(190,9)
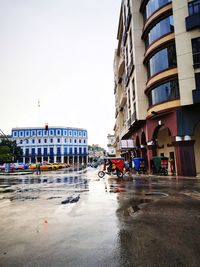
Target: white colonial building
(52,144)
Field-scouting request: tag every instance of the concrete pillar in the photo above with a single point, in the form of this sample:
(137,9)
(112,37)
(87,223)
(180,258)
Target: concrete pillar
(55,159)
(62,159)
(151,151)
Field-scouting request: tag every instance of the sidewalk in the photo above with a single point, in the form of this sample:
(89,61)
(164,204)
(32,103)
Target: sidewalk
(132,175)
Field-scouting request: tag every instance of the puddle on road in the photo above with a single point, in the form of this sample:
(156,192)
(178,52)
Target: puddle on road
(156,194)
(133,207)
(46,187)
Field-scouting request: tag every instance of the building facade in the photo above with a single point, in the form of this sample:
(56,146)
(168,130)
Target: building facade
(157,81)
(54,144)
(111,149)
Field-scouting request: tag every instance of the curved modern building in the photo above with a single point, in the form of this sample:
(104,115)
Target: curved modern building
(157,81)
(54,144)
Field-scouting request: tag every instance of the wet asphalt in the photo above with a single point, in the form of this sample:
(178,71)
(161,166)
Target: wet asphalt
(141,221)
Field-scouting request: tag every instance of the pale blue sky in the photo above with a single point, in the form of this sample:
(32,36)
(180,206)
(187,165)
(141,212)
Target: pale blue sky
(61,53)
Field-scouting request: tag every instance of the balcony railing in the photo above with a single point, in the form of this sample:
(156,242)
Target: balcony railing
(122,100)
(196,96)
(128,20)
(133,117)
(196,60)
(129,122)
(193,20)
(129,72)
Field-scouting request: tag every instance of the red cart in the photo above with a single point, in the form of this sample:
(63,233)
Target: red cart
(114,166)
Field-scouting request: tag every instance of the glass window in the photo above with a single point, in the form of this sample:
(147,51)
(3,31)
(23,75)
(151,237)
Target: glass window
(58,140)
(194,7)
(164,92)
(79,133)
(21,133)
(196,51)
(33,133)
(154,5)
(162,60)
(39,151)
(39,140)
(74,133)
(27,152)
(79,141)
(45,132)
(74,140)
(33,141)
(51,140)
(197,80)
(164,27)
(58,150)
(39,132)
(27,133)
(33,151)
(45,140)
(21,141)
(51,151)
(58,132)
(70,133)
(65,140)
(75,150)
(45,151)
(65,150)
(51,132)
(15,134)
(65,132)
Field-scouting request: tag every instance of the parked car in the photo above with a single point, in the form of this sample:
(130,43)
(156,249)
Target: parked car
(13,166)
(43,167)
(25,166)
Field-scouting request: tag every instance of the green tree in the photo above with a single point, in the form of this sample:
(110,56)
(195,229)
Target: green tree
(9,151)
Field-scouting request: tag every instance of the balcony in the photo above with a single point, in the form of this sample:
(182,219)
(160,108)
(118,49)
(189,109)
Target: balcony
(196,60)
(128,20)
(123,99)
(196,96)
(121,66)
(116,113)
(129,72)
(133,117)
(193,20)
(129,122)
(124,38)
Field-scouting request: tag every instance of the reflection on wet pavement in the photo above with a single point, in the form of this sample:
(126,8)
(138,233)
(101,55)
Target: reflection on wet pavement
(133,222)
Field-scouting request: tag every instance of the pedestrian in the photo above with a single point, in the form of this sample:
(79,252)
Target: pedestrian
(38,169)
(172,166)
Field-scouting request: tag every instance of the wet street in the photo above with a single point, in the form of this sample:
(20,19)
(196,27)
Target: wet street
(75,219)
